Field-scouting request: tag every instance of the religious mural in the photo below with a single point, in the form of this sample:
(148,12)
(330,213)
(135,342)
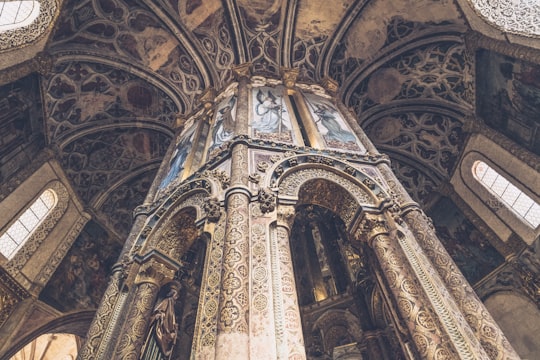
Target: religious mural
(179,157)
(471,251)
(271,119)
(81,279)
(511,101)
(331,125)
(223,129)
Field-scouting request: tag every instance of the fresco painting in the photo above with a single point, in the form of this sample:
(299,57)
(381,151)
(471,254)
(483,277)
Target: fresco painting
(223,129)
(179,157)
(471,251)
(511,97)
(331,125)
(82,277)
(271,119)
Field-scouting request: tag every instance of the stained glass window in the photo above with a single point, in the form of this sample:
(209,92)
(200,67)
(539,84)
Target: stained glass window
(21,230)
(515,199)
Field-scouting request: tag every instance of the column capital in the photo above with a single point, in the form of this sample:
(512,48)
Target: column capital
(371,225)
(289,76)
(285,216)
(155,270)
(242,71)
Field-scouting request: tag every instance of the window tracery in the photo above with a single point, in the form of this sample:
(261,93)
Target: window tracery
(22,229)
(515,199)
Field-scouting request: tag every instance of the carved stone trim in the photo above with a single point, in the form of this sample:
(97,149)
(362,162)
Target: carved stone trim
(475,40)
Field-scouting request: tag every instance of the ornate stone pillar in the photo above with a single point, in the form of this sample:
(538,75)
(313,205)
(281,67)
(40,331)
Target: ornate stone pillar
(289,336)
(96,339)
(232,340)
(153,274)
(485,328)
(429,318)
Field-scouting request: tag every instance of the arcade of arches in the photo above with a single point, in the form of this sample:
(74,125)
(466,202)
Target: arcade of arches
(281,179)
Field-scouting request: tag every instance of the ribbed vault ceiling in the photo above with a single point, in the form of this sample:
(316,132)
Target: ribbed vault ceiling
(124,70)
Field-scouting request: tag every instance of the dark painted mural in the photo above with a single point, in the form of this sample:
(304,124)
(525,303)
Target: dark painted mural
(471,251)
(511,97)
(81,279)
(21,123)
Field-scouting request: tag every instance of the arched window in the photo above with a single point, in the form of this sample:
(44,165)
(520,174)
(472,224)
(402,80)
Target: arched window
(17,14)
(515,199)
(21,230)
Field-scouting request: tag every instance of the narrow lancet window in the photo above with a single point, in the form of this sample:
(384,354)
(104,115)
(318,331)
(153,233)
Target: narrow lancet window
(23,228)
(515,199)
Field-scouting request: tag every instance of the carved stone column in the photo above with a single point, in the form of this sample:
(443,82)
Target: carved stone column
(152,275)
(96,338)
(486,330)
(414,305)
(290,339)
(232,340)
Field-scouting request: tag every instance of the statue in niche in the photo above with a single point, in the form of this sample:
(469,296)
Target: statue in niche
(163,328)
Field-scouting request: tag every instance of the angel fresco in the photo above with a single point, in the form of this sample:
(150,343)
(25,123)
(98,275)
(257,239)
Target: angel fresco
(331,124)
(178,158)
(328,120)
(271,119)
(224,127)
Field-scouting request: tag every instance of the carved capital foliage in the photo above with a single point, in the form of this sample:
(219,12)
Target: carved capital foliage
(242,71)
(330,85)
(155,272)
(212,209)
(267,200)
(371,226)
(285,215)
(289,76)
